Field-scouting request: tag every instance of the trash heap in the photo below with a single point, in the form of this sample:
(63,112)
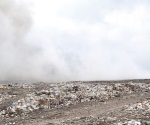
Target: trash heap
(5,93)
(10,123)
(139,111)
(134,122)
(57,95)
(5,96)
(143,106)
(21,106)
(135,114)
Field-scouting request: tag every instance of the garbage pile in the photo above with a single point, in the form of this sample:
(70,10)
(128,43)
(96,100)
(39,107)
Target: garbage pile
(134,122)
(10,123)
(140,110)
(21,106)
(5,96)
(135,114)
(7,90)
(141,106)
(57,95)
(5,93)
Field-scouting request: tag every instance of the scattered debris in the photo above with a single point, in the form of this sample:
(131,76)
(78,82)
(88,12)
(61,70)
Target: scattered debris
(50,96)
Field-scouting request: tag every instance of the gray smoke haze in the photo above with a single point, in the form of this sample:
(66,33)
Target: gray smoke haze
(14,25)
(74,40)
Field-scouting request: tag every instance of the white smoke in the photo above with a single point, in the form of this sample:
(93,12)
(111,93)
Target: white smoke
(55,41)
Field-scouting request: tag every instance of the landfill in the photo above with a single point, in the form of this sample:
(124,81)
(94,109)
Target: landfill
(25,99)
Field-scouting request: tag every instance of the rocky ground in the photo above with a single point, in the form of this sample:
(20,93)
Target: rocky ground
(76,103)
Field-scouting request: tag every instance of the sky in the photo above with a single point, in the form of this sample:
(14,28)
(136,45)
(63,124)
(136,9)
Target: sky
(65,40)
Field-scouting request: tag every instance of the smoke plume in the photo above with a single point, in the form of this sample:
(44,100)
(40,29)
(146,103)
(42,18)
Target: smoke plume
(60,41)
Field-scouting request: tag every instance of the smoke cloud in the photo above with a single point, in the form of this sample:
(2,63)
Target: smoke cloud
(74,40)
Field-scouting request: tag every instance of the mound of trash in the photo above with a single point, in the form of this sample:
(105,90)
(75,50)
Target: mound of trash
(49,96)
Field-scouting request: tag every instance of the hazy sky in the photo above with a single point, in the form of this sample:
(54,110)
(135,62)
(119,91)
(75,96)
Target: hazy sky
(60,40)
